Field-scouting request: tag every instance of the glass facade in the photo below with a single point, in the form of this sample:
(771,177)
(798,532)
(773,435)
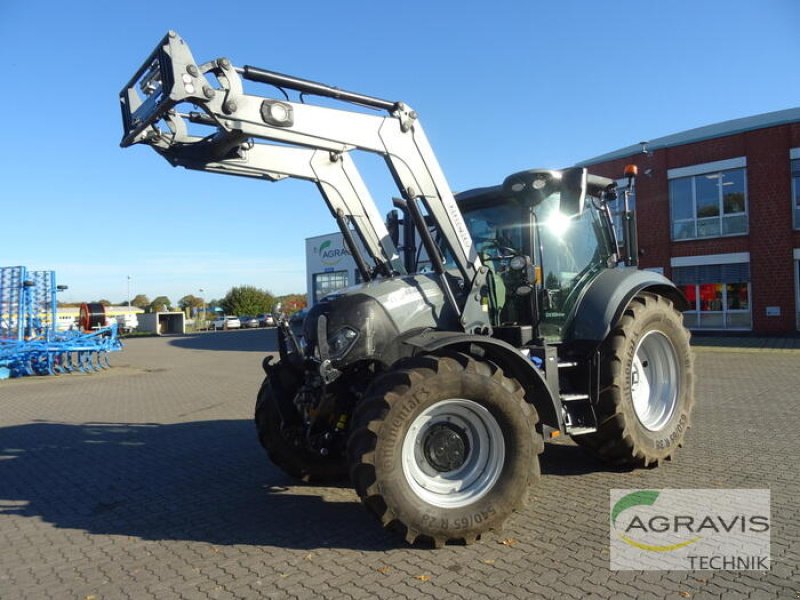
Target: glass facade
(709,205)
(797,292)
(796,192)
(720,296)
(325,283)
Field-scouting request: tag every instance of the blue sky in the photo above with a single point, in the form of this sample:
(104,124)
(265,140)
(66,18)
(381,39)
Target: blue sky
(500,87)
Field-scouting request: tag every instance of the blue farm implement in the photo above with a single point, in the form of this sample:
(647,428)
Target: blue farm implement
(30,342)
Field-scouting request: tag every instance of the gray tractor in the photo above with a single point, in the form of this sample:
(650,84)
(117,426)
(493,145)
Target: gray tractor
(484,322)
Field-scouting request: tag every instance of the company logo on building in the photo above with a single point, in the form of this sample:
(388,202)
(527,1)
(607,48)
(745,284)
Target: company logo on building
(328,255)
(686,529)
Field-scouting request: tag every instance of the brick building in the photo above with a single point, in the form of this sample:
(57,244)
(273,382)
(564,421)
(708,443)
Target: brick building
(718,212)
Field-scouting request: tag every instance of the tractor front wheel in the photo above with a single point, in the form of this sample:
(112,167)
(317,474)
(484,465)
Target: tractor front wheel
(444,449)
(283,441)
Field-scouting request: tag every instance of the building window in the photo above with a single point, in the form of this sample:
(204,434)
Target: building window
(709,205)
(325,283)
(796,192)
(797,287)
(719,296)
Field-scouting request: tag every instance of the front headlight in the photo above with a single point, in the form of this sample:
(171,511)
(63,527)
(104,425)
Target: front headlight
(517,263)
(340,342)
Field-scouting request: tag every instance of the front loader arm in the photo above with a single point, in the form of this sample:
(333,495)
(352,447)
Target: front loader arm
(242,122)
(336,176)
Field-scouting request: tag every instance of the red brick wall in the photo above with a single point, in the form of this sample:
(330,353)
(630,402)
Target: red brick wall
(771,237)
(769,196)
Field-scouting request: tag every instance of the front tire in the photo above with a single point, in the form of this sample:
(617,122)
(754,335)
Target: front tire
(646,386)
(444,449)
(285,449)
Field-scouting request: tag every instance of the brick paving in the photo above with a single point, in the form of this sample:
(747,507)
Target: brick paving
(146,481)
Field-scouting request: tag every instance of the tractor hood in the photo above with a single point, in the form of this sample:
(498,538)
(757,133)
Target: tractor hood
(367,321)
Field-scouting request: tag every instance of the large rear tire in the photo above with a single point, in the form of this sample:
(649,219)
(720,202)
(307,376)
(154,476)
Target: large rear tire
(646,386)
(285,449)
(444,449)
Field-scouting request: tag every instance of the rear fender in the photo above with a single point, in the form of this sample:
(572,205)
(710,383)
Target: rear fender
(508,358)
(606,298)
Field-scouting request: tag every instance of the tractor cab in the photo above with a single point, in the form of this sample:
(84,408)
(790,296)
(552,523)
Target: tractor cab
(543,238)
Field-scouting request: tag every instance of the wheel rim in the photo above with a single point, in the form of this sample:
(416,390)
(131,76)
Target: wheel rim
(453,453)
(654,380)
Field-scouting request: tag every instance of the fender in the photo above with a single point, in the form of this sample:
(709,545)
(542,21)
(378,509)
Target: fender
(513,363)
(605,299)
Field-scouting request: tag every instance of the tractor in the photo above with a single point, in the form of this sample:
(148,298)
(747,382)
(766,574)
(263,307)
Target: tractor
(484,321)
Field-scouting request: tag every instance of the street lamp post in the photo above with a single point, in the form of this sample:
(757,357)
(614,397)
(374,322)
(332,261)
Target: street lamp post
(129,291)
(203,307)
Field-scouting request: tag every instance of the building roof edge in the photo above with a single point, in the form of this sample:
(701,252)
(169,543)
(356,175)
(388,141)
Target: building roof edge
(699,134)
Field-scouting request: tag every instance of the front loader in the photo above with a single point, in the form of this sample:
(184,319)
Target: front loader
(501,314)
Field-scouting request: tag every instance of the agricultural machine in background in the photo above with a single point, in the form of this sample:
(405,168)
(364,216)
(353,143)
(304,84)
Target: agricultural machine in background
(433,385)
(30,340)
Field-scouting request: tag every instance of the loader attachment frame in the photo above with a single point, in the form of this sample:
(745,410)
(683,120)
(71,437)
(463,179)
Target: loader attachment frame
(269,138)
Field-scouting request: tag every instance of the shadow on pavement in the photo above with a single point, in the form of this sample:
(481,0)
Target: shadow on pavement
(203,481)
(569,459)
(246,340)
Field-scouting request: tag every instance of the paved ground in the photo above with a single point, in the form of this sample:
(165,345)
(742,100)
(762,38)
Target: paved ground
(748,343)
(146,481)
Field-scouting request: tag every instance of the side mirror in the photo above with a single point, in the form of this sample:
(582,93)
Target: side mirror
(573,191)
(393,226)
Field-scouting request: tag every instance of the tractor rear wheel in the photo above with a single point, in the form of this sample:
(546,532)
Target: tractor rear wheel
(646,386)
(444,449)
(284,444)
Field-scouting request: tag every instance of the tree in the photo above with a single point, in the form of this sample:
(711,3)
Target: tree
(190,301)
(247,300)
(141,301)
(292,302)
(104,302)
(160,304)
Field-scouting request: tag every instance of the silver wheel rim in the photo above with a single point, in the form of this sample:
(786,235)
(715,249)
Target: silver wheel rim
(473,428)
(654,380)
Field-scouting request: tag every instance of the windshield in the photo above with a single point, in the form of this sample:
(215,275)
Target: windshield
(573,250)
(500,231)
(566,251)
(570,246)
(497,230)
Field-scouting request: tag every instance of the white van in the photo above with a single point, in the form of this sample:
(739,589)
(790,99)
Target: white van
(127,322)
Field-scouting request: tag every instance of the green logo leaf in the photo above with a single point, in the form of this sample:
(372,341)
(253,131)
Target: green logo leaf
(642,497)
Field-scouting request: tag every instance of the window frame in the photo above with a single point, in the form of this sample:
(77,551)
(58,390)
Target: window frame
(731,272)
(696,313)
(796,268)
(794,174)
(341,274)
(704,170)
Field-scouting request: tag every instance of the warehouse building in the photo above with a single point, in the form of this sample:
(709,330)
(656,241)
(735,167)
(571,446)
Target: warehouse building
(718,212)
(329,266)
